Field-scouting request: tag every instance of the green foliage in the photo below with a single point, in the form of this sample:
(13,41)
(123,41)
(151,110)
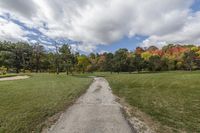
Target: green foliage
(195,49)
(22,56)
(146,55)
(155,63)
(67,58)
(138,62)
(83,62)
(120,60)
(3,70)
(37,56)
(189,58)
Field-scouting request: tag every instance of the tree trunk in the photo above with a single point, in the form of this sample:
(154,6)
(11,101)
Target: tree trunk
(17,70)
(67,69)
(24,63)
(72,73)
(37,65)
(83,70)
(57,70)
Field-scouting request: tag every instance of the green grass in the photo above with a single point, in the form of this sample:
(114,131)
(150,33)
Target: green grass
(172,98)
(25,104)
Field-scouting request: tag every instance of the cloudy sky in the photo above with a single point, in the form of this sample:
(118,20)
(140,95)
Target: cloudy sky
(101,25)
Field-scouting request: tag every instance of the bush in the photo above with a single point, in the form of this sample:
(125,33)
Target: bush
(3,70)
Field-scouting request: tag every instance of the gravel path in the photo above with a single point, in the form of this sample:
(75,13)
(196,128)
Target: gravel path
(14,78)
(95,112)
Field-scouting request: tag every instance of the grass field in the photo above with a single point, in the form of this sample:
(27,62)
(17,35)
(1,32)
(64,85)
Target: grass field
(25,104)
(171,98)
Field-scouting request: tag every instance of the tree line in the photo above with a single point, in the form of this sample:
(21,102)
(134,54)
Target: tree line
(24,57)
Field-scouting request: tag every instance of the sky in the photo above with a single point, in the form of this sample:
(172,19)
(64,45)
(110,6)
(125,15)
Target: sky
(100,25)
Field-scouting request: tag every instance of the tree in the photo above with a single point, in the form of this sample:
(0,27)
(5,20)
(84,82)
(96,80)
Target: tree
(66,57)
(152,48)
(38,51)
(138,62)
(101,62)
(50,61)
(5,59)
(109,62)
(146,55)
(17,57)
(57,58)
(189,60)
(165,63)
(83,62)
(120,60)
(155,63)
(21,55)
(92,56)
(130,62)
(3,70)
(139,50)
(105,62)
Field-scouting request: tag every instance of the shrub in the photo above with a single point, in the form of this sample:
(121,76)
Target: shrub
(3,70)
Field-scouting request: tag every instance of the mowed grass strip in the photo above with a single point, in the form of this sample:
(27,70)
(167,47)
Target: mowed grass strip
(25,104)
(171,98)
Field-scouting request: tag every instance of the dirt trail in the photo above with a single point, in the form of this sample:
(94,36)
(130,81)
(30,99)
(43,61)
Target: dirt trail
(95,112)
(14,78)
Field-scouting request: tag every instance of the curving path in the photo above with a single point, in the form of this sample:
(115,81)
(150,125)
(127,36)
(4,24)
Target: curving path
(95,112)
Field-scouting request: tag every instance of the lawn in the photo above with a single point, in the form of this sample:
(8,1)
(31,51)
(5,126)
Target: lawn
(171,98)
(25,104)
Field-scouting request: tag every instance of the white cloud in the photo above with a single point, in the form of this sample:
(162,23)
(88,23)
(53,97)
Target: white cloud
(96,22)
(11,31)
(33,41)
(84,47)
(188,34)
(20,8)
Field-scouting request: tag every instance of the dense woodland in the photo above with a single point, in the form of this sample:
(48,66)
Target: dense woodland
(25,57)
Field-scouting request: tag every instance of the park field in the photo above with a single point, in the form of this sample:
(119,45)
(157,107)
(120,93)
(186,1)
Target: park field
(170,98)
(26,104)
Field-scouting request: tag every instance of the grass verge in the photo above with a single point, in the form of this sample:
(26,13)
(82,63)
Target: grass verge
(25,104)
(170,98)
